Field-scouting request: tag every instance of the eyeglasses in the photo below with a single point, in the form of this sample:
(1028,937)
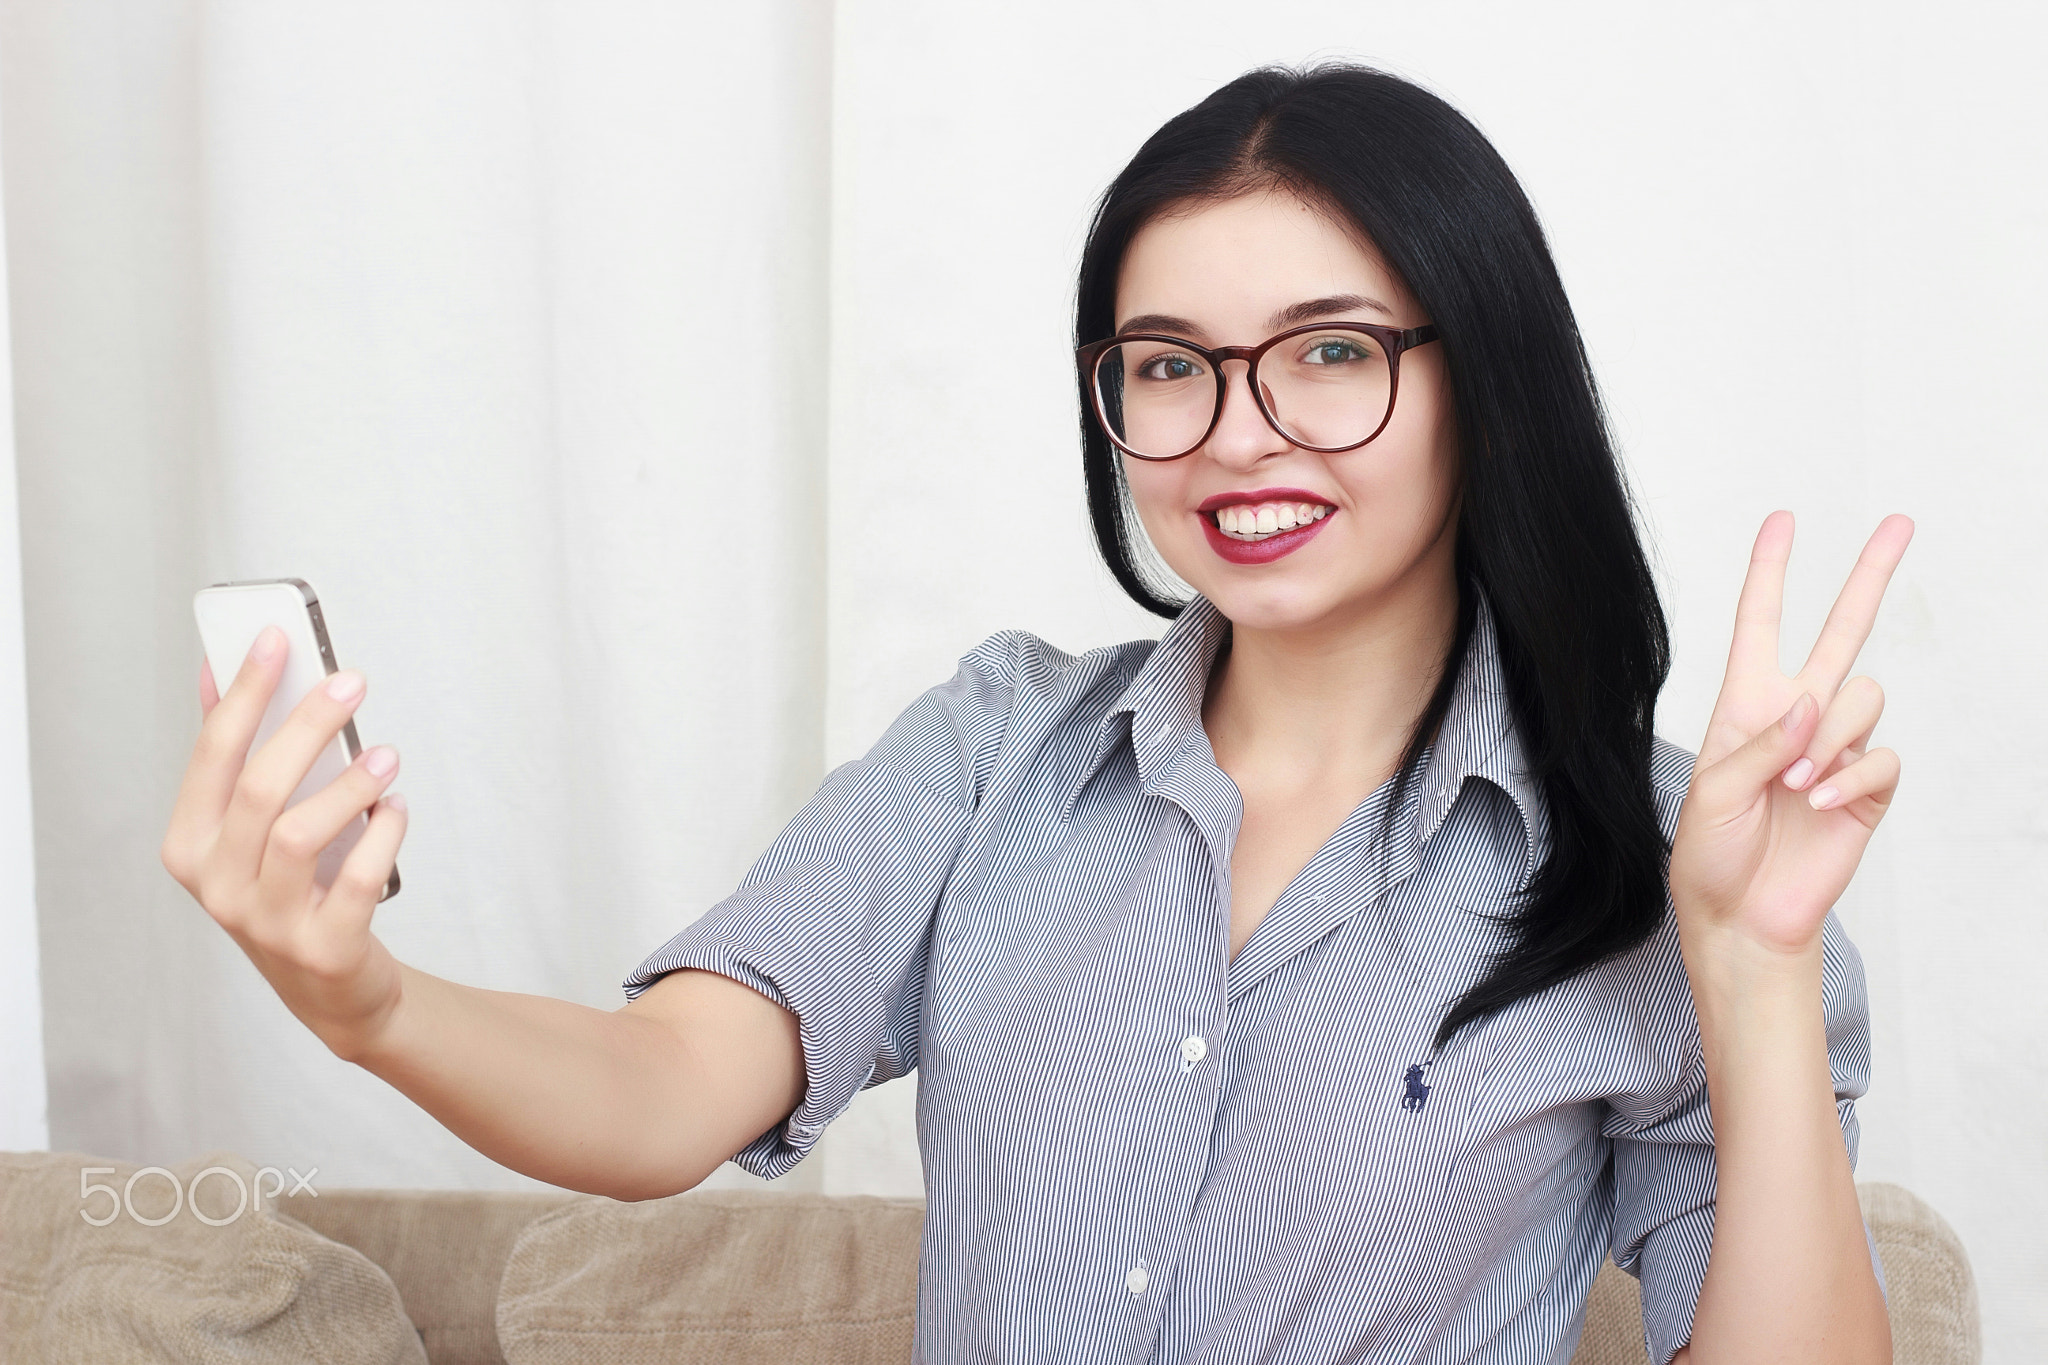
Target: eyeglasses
(1327,387)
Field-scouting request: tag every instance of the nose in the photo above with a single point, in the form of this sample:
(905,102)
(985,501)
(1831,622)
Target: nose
(1243,436)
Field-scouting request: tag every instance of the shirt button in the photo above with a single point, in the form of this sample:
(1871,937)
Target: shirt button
(1193,1049)
(1136,1280)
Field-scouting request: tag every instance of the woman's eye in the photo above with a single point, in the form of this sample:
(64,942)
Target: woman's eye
(1170,367)
(1336,351)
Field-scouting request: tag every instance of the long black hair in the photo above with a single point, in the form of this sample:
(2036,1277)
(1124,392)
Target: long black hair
(1545,528)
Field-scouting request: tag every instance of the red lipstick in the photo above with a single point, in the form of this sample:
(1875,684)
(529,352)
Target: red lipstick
(1272,547)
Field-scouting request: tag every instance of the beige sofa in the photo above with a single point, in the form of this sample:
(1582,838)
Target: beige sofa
(455,1278)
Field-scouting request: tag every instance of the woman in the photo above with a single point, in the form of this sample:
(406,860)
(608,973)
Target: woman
(1314,985)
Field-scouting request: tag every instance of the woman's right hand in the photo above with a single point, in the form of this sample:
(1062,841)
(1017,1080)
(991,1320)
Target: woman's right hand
(250,862)
(632,1103)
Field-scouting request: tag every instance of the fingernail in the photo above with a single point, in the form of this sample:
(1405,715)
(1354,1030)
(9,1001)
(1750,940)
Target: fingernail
(1796,717)
(1824,797)
(1799,774)
(380,760)
(345,685)
(267,642)
(395,801)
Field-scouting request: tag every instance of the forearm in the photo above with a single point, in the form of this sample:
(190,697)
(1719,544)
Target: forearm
(583,1098)
(1789,1275)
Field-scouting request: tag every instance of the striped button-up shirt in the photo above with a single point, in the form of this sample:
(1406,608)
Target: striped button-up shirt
(1137,1147)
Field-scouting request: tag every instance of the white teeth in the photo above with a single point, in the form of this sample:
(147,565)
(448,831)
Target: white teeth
(1243,521)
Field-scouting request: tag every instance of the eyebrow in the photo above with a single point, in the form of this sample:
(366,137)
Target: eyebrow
(1293,315)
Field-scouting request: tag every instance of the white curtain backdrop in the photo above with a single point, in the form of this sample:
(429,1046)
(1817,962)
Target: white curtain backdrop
(504,326)
(511,327)
(24,1092)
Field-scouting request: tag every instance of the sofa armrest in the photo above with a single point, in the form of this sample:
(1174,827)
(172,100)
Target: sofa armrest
(1932,1293)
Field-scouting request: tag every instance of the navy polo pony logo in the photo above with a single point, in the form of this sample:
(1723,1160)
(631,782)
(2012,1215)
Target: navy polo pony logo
(1418,1093)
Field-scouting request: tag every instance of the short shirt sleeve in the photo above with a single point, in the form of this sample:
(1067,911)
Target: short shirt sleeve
(1664,1160)
(833,922)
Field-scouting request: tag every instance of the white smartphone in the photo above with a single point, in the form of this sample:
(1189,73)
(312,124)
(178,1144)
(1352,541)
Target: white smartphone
(231,616)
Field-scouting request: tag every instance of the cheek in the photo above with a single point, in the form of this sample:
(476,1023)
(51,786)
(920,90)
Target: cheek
(1158,492)
(1427,463)
(1432,489)
(1437,475)
(1403,489)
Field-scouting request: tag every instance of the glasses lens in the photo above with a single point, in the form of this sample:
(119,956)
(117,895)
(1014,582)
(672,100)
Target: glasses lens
(1156,398)
(1330,388)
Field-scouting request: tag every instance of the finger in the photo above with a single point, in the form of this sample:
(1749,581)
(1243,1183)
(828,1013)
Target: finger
(218,753)
(1736,780)
(1865,787)
(297,838)
(1847,723)
(275,771)
(209,691)
(1761,605)
(1855,609)
(352,900)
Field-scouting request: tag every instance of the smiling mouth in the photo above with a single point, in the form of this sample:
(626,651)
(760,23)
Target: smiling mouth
(1251,522)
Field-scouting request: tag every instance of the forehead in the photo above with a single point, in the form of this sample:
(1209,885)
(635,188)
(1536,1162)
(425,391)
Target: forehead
(1230,265)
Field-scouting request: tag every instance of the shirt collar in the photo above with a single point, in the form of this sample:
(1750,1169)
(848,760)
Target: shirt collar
(1478,738)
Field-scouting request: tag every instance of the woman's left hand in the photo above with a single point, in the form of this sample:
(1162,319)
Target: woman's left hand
(1786,791)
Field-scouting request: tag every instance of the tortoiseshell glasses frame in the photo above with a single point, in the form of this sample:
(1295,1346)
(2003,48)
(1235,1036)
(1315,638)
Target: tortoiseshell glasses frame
(1392,340)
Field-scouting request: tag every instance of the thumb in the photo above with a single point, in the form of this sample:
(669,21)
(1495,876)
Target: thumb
(1741,773)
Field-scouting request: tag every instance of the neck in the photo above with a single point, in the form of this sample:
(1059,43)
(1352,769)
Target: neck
(1334,702)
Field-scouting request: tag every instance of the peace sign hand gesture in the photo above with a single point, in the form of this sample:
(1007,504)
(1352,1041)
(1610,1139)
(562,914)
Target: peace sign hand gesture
(1786,791)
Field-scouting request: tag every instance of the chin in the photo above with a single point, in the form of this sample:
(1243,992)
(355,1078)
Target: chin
(1274,606)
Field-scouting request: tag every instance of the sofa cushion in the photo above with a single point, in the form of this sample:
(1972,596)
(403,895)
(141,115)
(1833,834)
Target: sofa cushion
(744,1277)
(444,1249)
(159,1282)
(1614,1321)
(729,1277)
